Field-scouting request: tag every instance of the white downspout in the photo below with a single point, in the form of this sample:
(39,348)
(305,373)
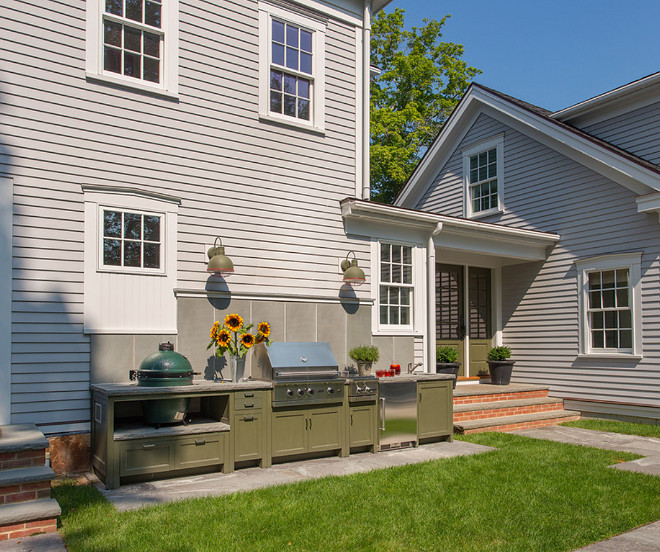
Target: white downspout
(366,100)
(430,299)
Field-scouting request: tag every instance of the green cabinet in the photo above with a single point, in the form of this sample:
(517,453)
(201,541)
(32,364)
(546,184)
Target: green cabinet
(302,430)
(434,409)
(248,428)
(362,425)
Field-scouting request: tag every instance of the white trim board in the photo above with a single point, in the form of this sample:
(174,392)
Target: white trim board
(6,232)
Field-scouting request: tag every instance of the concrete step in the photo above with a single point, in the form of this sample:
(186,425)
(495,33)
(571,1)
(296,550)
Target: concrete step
(480,393)
(509,423)
(19,476)
(496,409)
(27,518)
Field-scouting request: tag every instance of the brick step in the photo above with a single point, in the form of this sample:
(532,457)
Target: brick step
(28,518)
(510,423)
(471,394)
(25,484)
(497,409)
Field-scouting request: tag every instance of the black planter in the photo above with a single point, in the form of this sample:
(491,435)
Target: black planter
(500,371)
(448,368)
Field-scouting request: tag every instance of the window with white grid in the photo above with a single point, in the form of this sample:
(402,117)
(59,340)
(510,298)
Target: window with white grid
(483,174)
(396,286)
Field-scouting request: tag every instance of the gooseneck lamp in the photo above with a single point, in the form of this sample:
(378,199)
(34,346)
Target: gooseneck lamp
(219,263)
(353,274)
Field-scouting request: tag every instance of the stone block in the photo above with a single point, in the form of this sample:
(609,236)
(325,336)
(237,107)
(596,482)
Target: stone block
(195,316)
(331,327)
(111,358)
(300,322)
(359,327)
(385,346)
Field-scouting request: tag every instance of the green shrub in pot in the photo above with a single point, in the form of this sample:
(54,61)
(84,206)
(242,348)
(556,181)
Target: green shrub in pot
(499,353)
(365,356)
(446,358)
(499,365)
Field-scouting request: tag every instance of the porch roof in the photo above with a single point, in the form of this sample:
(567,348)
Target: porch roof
(494,243)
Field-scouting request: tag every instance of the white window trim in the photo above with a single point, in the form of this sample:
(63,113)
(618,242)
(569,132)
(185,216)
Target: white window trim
(318,28)
(481,146)
(419,296)
(100,267)
(631,261)
(169,86)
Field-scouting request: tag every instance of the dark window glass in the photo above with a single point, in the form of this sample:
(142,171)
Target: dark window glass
(626,339)
(289,84)
(292,36)
(132,39)
(152,14)
(405,315)
(292,58)
(278,54)
(383,315)
(305,41)
(112,34)
(278,31)
(112,59)
(303,88)
(394,315)
(134,10)
(303,109)
(597,338)
(112,224)
(132,65)
(151,70)
(152,45)
(112,252)
(151,228)
(276,80)
(306,63)
(385,251)
(276,102)
(132,253)
(151,255)
(289,105)
(132,226)
(114,7)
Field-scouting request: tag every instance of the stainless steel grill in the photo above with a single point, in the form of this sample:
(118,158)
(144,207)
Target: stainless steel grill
(303,373)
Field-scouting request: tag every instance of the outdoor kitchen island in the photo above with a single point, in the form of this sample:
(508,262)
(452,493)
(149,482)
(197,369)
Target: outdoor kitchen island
(232,425)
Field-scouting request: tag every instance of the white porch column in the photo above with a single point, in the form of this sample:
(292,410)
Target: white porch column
(430,301)
(6,215)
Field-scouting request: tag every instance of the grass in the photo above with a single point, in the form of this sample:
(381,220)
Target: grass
(526,495)
(628,428)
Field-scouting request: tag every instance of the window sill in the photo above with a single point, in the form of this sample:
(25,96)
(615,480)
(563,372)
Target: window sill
(121,83)
(609,356)
(106,270)
(398,333)
(292,123)
(482,214)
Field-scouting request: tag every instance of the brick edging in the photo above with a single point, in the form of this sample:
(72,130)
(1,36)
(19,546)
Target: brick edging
(28,528)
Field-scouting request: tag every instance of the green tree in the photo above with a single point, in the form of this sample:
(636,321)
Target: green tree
(421,80)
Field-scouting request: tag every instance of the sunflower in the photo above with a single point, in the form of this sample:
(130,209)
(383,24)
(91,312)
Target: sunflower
(264,329)
(214,331)
(247,339)
(234,322)
(223,339)
(260,337)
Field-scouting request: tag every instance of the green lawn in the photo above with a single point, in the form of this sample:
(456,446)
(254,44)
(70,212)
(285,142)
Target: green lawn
(527,495)
(645,430)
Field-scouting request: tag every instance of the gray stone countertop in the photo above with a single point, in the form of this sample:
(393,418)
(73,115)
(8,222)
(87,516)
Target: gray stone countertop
(203,386)
(416,377)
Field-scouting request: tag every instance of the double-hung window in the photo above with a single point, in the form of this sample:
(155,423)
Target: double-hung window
(133,42)
(483,177)
(610,303)
(291,67)
(396,288)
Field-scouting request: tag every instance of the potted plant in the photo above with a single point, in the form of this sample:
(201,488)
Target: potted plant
(445,361)
(365,356)
(499,365)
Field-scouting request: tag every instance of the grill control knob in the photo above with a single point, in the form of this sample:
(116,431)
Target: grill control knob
(367,389)
(330,390)
(289,392)
(310,391)
(300,392)
(359,389)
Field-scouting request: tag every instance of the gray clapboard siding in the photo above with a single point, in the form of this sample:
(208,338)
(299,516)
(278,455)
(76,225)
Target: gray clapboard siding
(546,191)
(209,148)
(636,131)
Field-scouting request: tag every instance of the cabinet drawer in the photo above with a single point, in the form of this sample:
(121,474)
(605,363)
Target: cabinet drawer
(248,400)
(206,449)
(146,456)
(248,436)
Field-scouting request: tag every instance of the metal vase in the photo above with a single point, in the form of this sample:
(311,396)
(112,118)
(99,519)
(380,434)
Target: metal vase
(236,368)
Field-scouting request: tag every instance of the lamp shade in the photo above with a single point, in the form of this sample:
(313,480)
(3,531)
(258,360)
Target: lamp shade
(353,274)
(219,263)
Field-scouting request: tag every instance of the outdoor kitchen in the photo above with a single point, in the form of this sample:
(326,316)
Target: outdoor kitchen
(297,403)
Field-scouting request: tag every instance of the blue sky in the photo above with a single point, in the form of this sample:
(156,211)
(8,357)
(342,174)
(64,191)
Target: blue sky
(551,53)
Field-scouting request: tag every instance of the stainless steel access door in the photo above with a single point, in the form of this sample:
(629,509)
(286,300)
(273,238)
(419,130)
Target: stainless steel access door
(398,414)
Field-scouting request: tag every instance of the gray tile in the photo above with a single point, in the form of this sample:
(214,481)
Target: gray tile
(111,358)
(300,322)
(272,312)
(385,346)
(194,321)
(359,327)
(331,327)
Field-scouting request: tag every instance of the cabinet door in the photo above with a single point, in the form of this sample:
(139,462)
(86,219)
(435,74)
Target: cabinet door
(289,432)
(362,425)
(194,451)
(434,409)
(325,429)
(145,457)
(248,431)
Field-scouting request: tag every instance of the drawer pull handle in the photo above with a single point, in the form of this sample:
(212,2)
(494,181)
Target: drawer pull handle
(248,395)
(248,405)
(199,442)
(248,418)
(149,446)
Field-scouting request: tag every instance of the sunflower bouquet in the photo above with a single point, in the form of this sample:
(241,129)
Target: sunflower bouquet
(235,338)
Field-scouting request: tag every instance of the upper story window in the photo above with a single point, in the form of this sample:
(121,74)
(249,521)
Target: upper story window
(482,167)
(610,320)
(133,43)
(292,72)
(396,285)
(131,240)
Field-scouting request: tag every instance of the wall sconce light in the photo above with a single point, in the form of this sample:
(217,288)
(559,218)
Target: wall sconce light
(219,263)
(353,274)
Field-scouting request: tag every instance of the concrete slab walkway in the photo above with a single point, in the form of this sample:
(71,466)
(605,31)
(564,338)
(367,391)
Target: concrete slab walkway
(132,497)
